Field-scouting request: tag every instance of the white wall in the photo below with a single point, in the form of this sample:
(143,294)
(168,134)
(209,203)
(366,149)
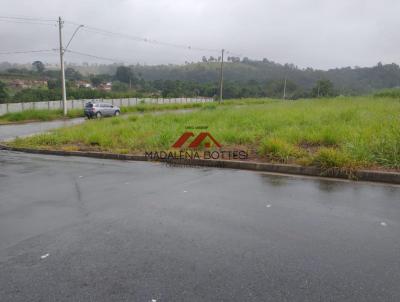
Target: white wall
(79,104)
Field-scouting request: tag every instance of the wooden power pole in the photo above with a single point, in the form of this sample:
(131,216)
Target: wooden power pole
(221,77)
(284,89)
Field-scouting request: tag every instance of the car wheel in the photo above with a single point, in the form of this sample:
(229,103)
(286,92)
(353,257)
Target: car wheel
(98,114)
(117,113)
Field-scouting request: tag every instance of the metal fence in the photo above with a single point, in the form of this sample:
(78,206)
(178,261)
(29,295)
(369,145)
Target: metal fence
(79,104)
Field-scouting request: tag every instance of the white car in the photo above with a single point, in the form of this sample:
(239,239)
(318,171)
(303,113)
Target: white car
(99,110)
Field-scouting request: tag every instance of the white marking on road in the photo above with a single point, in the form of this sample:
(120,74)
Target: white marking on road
(44,256)
(184,191)
(383,223)
(268,205)
(80,176)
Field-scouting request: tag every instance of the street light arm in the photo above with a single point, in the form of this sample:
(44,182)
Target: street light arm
(73,35)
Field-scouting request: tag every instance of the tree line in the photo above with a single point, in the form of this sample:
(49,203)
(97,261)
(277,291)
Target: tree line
(244,78)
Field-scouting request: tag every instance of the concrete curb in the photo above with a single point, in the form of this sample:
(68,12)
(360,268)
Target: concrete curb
(361,175)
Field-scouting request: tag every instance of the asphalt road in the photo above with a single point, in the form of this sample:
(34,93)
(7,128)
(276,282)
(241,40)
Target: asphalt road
(9,132)
(78,229)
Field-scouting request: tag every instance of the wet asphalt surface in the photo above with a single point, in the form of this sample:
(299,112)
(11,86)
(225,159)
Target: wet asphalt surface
(9,132)
(77,229)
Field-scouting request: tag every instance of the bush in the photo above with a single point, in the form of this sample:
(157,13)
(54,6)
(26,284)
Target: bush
(388,93)
(3,92)
(38,95)
(279,149)
(326,158)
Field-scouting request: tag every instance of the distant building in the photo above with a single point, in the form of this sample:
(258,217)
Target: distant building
(105,86)
(83,84)
(40,83)
(18,84)
(24,84)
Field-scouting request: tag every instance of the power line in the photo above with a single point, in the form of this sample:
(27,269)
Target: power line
(92,29)
(41,21)
(141,39)
(28,18)
(233,54)
(150,41)
(146,40)
(26,22)
(26,51)
(96,57)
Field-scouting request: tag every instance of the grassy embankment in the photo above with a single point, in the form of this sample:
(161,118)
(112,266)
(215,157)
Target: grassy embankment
(339,132)
(37,115)
(49,115)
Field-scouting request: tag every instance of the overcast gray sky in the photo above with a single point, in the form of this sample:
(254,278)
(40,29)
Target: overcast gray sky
(315,33)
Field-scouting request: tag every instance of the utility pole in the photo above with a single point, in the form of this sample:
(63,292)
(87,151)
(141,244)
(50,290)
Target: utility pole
(221,77)
(284,90)
(62,52)
(64,92)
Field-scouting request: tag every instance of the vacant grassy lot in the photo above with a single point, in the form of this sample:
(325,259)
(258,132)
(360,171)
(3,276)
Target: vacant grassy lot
(49,115)
(339,132)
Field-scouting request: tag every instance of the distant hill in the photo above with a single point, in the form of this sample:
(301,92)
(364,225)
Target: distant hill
(347,80)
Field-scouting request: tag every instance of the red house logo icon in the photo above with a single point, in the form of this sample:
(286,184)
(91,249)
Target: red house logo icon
(197,141)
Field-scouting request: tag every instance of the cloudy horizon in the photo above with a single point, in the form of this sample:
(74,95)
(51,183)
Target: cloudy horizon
(320,35)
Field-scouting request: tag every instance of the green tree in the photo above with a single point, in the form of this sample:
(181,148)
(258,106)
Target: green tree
(72,74)
(96,80)
(275,89)
(53,84)
(119,86)
(39,66)
(3,92)
(323,88)
(125,74)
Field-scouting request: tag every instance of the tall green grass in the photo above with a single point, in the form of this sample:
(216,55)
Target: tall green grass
(38,115)
(338,132)
(48,115)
